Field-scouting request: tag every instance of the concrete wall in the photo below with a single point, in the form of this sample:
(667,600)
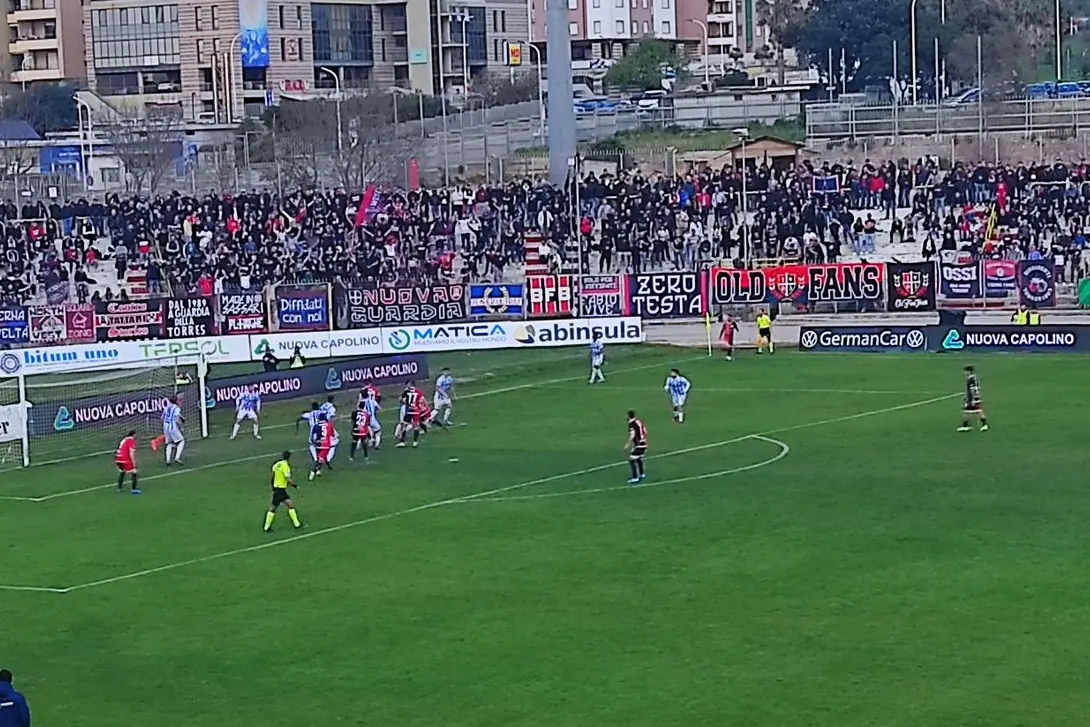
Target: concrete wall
(1007,148)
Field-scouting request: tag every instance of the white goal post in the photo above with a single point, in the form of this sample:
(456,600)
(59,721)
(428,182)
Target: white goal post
(84,412)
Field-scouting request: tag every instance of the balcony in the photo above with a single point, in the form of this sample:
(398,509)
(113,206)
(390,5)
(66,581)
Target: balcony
(23,12)
(721,18)
(30,76)
(29,45)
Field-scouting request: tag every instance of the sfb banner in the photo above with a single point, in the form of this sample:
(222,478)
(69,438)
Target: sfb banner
(549,296)
(911,287)
(798,284)
(667,295)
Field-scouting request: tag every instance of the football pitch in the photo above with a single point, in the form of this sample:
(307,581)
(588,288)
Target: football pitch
(815,545)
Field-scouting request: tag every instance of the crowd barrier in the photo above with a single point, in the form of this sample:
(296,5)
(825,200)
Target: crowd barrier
(387,340)
(945,339)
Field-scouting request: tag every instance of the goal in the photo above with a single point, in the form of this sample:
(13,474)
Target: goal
(85,413)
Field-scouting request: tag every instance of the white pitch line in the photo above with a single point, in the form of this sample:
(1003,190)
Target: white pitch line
(212,465)
(785,449)
(698,389)
(484,494)
(34,589)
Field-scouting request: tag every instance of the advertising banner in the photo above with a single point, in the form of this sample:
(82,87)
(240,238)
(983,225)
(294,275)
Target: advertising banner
(911,286)
(303,309)
(549,296)
(1000,278)
(504,334)
(496,299)
(56,323)
(863,339)
(960,280)
(189,318)
(132,319)
(1015,339)
(601,296)
(799,284)
(124,354)
(324,344)
(667,295)
(396,306)
(1037,283)
(14,325)
(313,381)
(243,313)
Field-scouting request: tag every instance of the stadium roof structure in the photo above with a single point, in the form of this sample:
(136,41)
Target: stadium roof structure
(12,130)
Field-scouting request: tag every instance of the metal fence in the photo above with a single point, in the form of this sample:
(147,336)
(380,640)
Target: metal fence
(837,121)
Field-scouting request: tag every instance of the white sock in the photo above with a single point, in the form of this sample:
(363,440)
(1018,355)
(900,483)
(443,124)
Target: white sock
(377,436)
(257,429)
(234,430)
(680,416)
(313,453)
(446,415)
(178,452)
(332,453)
(170,452)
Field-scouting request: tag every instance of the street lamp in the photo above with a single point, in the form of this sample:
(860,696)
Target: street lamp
(540,84)
(231,75)
(912,12)
(1059,43)
(82,105)
(464,17)
(707,53)
(337,91)
(743,135)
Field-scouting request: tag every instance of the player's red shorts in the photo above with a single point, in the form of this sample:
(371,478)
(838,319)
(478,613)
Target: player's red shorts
(126,465)
(323,455)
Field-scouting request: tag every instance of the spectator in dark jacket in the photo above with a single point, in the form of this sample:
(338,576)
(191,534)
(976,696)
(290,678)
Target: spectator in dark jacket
(14,711)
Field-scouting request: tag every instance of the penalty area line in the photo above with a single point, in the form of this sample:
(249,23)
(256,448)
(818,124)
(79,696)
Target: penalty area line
(480,495)
(212,465)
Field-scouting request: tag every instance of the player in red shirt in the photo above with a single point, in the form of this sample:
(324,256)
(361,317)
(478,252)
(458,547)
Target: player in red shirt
(125,459)
(726,337)
(322,439)
(414,414)
(361,433)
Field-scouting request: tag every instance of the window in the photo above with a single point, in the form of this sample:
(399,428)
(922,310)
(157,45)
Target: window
(495,21)
(382,49)
(573,4)
(216,45)
(280,17)
(503,21)
(200,50)
(111,175)
(728,30)
(573,28)
(596,3)
(343,33)
(620,27)
(597,27)
(129,38)
(646,28)
(299,17)
(619,3)
(216,19)
(635,28)
(283,49)
(665,4)
(666,27)
(198,21)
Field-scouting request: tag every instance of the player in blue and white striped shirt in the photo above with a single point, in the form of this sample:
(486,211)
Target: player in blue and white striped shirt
(597,358)
(248,407)
(678,387)
(172,430)
(312,418)
(443,399)
(369,403)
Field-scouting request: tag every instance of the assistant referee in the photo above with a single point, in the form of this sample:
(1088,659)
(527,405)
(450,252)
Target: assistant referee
(764,332)
(281,481)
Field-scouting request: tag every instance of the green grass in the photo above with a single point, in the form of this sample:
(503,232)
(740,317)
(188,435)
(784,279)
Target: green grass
(886,571)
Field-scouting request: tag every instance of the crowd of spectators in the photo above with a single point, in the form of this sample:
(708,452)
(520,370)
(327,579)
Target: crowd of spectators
(622,222)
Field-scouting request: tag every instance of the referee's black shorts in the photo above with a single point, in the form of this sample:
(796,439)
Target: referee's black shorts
(279,496)
(765,333)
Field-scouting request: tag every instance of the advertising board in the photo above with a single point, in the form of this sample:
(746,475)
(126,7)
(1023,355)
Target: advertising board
(1014,339)
(863,339)
(504,334)
(123,354)
(320,344)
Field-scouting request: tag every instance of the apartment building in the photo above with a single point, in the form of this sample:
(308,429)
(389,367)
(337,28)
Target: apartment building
(605,29)
(43,42)
(221,61)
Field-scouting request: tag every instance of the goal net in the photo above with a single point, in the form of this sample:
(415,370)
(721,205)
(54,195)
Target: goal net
(85,413)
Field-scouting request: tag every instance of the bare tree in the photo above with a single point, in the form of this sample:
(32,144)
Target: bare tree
(147,148)
(370,147)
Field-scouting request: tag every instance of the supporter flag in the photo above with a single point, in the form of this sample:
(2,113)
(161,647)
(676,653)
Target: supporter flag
(708,329)
(369,205)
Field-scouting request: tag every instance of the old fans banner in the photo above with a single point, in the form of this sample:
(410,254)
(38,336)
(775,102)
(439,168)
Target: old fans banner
(798,284)
(911,286)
